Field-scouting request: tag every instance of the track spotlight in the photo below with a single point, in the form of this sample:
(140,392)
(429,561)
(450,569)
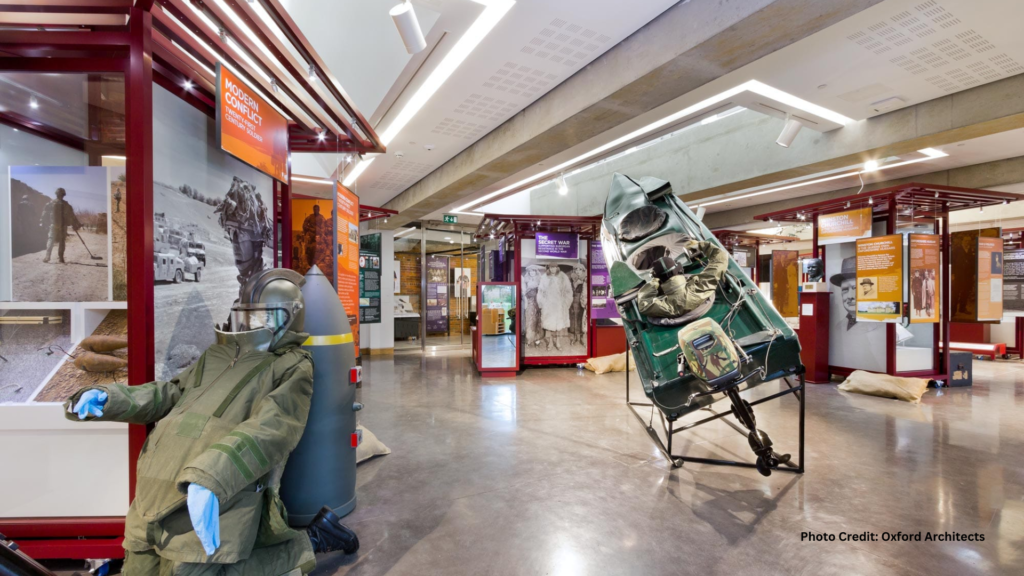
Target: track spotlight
(311,74)
(789,132)
(871,165)
(871,201)
(321,135)
(847,204)
(563,188)
(187,84)
(274,86)
(408,27)
(33,102)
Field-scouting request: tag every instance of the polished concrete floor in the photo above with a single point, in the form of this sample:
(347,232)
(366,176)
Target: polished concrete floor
(550,474)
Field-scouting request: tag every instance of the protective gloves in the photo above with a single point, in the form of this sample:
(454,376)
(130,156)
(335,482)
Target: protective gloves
(91,403)
(204,510)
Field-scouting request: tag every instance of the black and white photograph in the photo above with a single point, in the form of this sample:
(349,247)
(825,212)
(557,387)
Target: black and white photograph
(32,345)
(212,227)
(852,344)
(554,307)
(59,234)
(922,294)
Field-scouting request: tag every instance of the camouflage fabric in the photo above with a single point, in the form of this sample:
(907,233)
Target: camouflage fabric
(228,423)
(708,358)
(682,294)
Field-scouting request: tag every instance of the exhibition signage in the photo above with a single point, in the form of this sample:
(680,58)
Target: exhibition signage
(437,294)
(557,245)
(844,226)
(347,263)
(990,279)
(880,278)
(369,279)
(1013,279)
(601,304)
(785,279)
(249,128)
(965,282)
(925,279)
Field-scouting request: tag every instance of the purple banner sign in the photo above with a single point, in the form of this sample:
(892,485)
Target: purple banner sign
(558,245)
(601,303)
(437,294)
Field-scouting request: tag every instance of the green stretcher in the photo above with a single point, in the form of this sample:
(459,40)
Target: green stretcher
(644,221)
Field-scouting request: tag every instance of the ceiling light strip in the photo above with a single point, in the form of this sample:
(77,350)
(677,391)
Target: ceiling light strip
(494,11)
(751,86)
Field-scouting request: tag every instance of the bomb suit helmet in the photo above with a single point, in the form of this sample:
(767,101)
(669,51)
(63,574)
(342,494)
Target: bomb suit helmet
(270,304)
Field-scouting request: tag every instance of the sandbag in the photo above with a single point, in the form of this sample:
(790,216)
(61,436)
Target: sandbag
(872,384)
(370,446)
(613,363)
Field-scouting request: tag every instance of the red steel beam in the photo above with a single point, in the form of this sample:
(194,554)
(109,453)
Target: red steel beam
(295,36)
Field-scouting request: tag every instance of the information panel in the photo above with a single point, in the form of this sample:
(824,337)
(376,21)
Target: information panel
(925,279)
(369,279)
(602,305)
(437,294)
(1013,280)
(785,280)
(347,262)
(990,279)
(880,278)
(844,226)
(249,128)
(965,274)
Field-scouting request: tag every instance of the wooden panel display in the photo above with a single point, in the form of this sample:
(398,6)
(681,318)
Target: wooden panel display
(963,301)
(785,279)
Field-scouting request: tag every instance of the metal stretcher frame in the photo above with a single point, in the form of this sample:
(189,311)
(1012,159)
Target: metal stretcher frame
(668,427)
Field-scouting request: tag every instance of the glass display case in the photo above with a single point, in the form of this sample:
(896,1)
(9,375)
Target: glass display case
(497,347)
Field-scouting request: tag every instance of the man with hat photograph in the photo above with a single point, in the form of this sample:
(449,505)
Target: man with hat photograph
(853,344)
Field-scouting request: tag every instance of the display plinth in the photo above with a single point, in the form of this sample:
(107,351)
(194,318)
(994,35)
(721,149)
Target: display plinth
(813,333)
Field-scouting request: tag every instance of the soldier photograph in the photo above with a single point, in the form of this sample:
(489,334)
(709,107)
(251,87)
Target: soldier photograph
(60,224)
(314,236)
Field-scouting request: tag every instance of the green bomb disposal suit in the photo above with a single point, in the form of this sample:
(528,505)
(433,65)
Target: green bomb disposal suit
(228,423)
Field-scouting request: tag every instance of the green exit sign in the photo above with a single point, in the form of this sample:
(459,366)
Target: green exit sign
(451,219)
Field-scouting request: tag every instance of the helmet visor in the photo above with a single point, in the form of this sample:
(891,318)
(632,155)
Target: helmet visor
(274,317)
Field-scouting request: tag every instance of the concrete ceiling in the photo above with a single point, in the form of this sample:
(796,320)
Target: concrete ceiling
(913,50)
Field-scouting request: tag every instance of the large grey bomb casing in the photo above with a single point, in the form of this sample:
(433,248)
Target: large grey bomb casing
(321,471)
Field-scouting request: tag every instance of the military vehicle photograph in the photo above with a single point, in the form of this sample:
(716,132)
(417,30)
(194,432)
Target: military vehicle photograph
(59,234)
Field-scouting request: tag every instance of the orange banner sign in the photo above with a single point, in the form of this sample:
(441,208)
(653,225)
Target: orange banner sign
(990,279)
(347,209)
(925,279)
(844,226)
(880,278)
(249,128)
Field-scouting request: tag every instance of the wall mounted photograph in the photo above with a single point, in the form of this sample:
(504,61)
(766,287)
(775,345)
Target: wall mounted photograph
(554,308)
(212,230)
(31,347)
(59,234)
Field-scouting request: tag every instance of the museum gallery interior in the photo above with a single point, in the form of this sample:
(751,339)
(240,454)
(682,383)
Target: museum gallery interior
(511,287)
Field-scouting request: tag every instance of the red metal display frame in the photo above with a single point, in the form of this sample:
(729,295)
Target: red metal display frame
(916,200)
(733,238)
(478,338)
(144,57)
(525,227)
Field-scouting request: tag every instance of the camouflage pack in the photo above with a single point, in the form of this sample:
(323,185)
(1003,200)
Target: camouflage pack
(708,352)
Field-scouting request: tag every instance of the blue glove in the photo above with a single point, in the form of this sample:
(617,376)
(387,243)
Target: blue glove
(91,403)
(204,510)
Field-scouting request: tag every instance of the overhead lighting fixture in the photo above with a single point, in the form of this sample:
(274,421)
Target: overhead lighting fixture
(871,201)
(311,74)
(274,86)
(321,135)
(752,86)
(33,102)
(789,132)
(563,188)
(493,12)
(932,152)
(871,165)
(187,84)
(112,157)
(408,27)
(827,178)
(312,180)
(385,220)
(847,204)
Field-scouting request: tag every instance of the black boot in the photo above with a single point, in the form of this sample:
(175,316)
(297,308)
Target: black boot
(328,534)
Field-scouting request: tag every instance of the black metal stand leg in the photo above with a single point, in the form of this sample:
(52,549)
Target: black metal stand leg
(670,429)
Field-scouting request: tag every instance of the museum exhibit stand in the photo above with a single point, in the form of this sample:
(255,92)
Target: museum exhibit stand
(897,279)
(496,345)
(147,146)
(565,305)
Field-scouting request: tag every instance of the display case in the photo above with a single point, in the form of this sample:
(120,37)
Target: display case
(497,346)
